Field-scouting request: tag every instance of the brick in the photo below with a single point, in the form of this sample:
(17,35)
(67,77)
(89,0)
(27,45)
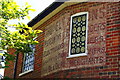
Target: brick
(115,76)
(111,73)
(104,77)
(103,44)
(103,73)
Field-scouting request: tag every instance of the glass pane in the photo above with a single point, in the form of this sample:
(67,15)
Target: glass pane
(78,34)
(29,59)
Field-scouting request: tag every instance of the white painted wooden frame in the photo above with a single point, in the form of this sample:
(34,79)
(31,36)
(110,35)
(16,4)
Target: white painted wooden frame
(86,51)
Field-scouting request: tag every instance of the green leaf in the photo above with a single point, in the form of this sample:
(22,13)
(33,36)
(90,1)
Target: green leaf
(7,63)
(5,67)
(24,35)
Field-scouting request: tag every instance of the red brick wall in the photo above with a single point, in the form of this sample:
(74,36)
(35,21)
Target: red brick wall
(38,59)
(9,71)
(113,40)
(102,60)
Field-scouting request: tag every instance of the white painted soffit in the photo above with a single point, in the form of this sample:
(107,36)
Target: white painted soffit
(87,0)
(65,4)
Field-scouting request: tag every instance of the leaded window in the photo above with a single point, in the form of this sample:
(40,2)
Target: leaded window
(78,34)
(28,63)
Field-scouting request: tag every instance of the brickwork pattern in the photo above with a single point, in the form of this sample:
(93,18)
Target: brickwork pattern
(102,60)
(96,42)
(9,72)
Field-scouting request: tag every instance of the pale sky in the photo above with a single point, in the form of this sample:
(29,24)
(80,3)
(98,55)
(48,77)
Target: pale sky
(38,5)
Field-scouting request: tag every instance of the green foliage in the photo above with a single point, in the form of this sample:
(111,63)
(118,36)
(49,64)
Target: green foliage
(23,36)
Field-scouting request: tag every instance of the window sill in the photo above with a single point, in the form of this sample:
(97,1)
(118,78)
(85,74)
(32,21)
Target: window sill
(78,55)
(25,72)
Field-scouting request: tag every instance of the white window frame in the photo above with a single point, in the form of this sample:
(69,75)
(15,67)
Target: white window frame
(24,62)
(30,70)
(86,51)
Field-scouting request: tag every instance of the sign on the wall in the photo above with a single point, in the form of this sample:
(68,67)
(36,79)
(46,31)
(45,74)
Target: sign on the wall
(57,38)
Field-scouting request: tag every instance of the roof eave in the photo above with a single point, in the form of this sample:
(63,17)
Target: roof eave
(44,13)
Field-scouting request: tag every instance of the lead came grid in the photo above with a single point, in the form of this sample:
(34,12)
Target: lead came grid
(29,59)
(78,37)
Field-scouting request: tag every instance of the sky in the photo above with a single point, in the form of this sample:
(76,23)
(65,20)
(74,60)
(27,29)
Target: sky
(38,5)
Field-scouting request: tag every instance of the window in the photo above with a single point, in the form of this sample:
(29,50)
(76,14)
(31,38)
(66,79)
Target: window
(28,63)
(2,58)
(78,34)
